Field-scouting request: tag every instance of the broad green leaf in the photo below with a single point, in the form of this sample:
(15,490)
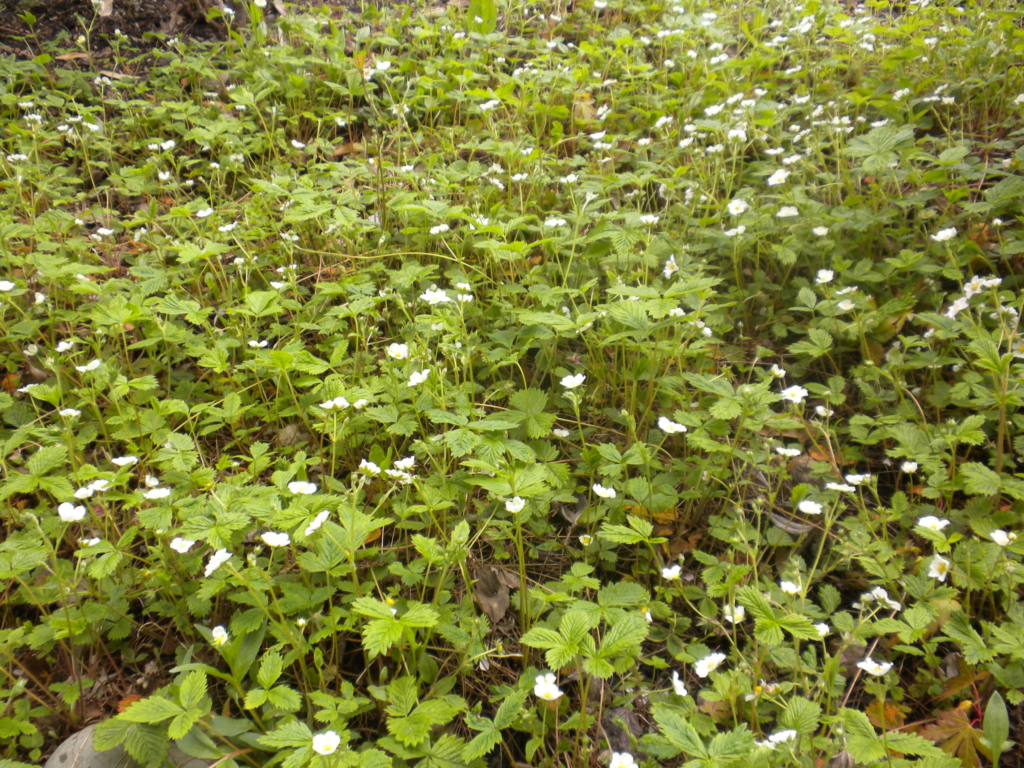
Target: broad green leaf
(155,709)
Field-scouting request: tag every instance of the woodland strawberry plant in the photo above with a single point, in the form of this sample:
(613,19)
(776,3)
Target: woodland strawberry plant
(610,383)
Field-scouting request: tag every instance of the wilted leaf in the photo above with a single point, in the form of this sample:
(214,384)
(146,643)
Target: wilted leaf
(955,735)
(491,594)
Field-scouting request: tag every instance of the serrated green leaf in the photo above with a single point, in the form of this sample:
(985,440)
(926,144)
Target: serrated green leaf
(155,709)
(192,690)
(284,698)
(291,734)
(271,667)
(183,723)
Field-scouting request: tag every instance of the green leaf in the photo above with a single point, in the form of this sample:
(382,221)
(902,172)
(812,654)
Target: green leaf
(678,731)
(481,744)
(510,709)
(801,715)
(292,734)
(419,615)
(285,698)
(255,697)
(109,733)
(380,635)
(528,405)
(271,667)
(539,637)
(155,709)
(183,723)
(193,690)
(45,459)
(979,479)
(996,725)
(625,636)
(974,648)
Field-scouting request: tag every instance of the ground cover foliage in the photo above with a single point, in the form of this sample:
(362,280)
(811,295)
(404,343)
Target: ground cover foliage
(622,383)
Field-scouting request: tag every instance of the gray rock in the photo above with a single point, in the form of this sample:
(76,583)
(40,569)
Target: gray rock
(77,752)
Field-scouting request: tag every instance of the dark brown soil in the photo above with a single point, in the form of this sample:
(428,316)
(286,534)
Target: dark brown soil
(27,25)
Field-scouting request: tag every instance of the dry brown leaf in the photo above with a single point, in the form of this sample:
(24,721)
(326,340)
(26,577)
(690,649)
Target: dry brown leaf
(491,593)
(347,149)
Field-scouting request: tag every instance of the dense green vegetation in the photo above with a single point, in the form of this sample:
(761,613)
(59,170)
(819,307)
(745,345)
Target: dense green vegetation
(622,383)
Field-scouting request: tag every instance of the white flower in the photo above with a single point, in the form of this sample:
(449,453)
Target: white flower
(89,542)
(789,452)
(217,559)
(151,481)
(622,760)
(7,285)
(398,351)
(671,572)
(257,343)
(944,234)
(734,614)
(571,382)
(670,267)
(845,305)
(670,427)
(439,229)
(858,479)
(909,466)
(69,513)
(125,461)
(369,467)
(872,667)
(789,587)
(956,307)
(809,507)
(65,346)
(839,487)
(406,464)
(434,297)
(298,144)
(938,568)
(737,206)
(555,222)
(779,177)
(318,521)
(69,413)
(777,372)
(1002,538)
(677,684)
(515,505)
(327,743)
(823,629)
(782,737)
(649,219)
(418,377)
(604,493)
(220,635)
(709,664)
(822,411)
(383,65)
(180,545)
(820,231)
(275,539)
(546,688)
(586,539)
(788,211)
(301,487)
(88,366)
(824,276)
(794,394)
(157,493)
(339,402)
(204,213)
